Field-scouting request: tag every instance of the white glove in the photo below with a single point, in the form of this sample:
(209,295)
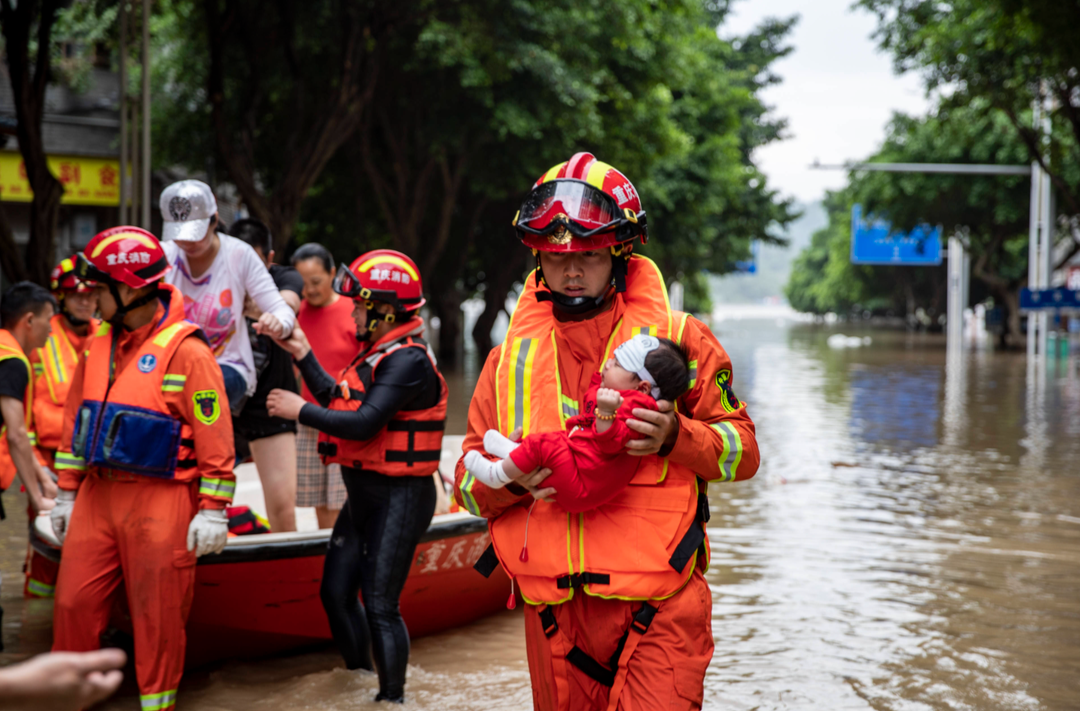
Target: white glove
(487,471)
(498,444)
(60,515)
(208,531)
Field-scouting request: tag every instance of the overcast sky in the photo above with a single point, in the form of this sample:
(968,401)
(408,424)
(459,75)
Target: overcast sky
(838,92)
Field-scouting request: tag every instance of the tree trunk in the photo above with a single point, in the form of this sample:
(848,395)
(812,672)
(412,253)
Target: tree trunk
(28,91)
(1014,336)
(12,263)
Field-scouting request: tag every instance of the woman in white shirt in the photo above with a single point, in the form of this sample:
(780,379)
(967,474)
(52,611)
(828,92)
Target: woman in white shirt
(215,272)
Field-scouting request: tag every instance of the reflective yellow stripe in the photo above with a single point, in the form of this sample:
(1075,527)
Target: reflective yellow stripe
(522,354)
(693,374)
(66,460)
(103,330)
(162,339)
(607,349)
(645,331)
(467,497)
(682,325)
(553,173)
(32,436)
(733,450)
(596,174)
(40,589)
(569,407)
(217,487)
(173,383)
(158,702)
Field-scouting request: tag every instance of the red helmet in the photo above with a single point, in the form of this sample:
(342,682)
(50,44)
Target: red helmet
(63,278)
(382,275)
(580,205)
(123,254)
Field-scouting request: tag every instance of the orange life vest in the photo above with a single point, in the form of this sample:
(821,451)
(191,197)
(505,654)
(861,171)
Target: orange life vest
(411,442)
(10,348)
(56,361)
(127,425)
(644,543)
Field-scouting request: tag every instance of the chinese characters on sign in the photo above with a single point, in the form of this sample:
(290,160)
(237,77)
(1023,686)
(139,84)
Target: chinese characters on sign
(86,181)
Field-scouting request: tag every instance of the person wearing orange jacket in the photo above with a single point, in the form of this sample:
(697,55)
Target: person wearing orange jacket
(618,612)
(145,464)
(54,365)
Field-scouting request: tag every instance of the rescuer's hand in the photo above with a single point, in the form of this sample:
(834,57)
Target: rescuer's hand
(531,482)
(661,429)
(208,532)
(63,680)
(284,403)
(60,516)
(269,325)
(48,480)
(296,344)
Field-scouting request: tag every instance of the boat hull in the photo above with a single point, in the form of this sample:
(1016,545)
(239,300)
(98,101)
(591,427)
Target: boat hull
(260,596)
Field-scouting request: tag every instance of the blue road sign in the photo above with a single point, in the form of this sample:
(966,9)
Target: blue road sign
(1049,299)
(873,241)
(750,265)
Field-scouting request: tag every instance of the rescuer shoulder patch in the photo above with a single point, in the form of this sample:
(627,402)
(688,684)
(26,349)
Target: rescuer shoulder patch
(207,407)
(727,395)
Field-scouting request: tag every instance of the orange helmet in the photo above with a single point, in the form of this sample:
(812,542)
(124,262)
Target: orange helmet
(382,275)
(122,254)
(63,279)
(581,204)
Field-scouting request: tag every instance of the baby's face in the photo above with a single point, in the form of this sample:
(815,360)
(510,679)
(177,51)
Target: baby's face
(618,378)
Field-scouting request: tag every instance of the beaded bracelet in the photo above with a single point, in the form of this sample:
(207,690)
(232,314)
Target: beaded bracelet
(605,417)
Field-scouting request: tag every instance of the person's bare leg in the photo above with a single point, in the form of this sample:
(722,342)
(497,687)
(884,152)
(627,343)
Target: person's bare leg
(275,458)
(326,516)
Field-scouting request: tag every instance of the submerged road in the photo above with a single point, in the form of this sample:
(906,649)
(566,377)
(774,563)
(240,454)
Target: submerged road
(912,541)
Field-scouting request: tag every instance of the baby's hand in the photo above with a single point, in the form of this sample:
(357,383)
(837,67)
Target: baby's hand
(608,400)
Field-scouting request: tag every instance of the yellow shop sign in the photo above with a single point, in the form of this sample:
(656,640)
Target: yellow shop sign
(86,181)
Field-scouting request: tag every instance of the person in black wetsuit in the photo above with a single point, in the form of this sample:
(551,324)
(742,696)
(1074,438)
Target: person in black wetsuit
(384,425)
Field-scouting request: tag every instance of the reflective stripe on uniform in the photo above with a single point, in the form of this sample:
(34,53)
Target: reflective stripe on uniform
(173,383)
(522,354)
(570,407)
(467,498)
(67,460)
(158,702)
(733,449)
(645,330)
(32,436)
(40,589)
(217,487)
(162,339)
(693,374)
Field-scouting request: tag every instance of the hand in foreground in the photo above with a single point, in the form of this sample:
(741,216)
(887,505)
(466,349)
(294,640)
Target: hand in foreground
(608,400)
(296,344)
(532,481)
(62,681)
(48,484)
(208,532)
(661,428)
(269,325)
(284,403)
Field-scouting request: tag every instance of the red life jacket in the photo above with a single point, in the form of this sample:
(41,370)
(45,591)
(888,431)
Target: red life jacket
(126,424)
(411,442)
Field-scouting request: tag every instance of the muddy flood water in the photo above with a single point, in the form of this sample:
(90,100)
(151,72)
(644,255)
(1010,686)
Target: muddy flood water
(912,541)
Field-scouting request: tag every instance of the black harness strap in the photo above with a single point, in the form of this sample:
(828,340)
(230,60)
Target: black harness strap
(411,455)
(327,449)
(487,562)
(547,619)
(694,537)
(590,667)
(576,580)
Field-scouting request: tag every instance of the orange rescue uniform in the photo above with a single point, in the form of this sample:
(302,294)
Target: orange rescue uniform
(129,526)
(10,348)
(54,367)
(619,613)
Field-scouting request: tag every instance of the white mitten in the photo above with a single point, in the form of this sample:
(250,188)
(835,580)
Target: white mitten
(208,531)
(487,471)
(498,444)
(60,515)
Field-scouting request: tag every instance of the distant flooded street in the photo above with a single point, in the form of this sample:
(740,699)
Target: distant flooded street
(912,541)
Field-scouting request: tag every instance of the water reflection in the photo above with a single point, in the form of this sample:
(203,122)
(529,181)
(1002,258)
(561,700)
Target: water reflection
(911,542)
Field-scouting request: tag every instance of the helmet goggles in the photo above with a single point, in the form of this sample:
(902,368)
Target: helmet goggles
(348,284)
(86,272)
(573,206)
